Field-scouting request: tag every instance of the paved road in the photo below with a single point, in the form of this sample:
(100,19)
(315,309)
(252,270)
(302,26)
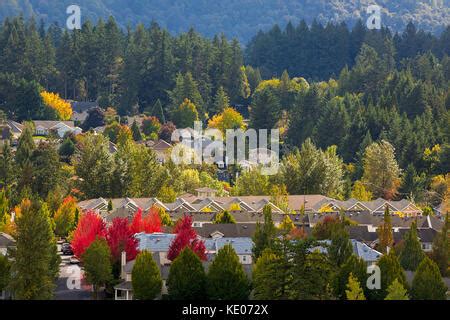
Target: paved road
(66,286)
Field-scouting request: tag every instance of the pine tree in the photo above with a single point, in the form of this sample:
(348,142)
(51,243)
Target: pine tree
(268,276)
(7,165)
(411,254)
(355,266)
(396,292)
(36,262)
(265,110)
(341,248)
(224,217)
(226,279)
(221,101)
(146,277)
(385,235)
(390,269)
(441,245)
(187,279)
(5,272)
(25,147)
(136,132)
(354,291)
(264,234)
(427,283)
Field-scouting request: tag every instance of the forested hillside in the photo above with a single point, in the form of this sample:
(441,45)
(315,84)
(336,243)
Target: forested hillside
(395,89)
(236,18)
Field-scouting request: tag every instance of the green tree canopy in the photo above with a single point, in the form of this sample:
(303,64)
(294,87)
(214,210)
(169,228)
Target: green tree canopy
(226,279)
(146,277)
(187,279)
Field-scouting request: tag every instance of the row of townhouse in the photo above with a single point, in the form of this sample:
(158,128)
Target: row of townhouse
(205,205)
(12,130)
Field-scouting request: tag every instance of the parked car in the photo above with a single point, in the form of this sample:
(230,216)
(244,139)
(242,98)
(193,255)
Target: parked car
(66,249)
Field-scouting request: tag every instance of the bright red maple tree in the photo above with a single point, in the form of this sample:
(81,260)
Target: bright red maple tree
(120,238)
(150,224)
(186,237)
(90,226)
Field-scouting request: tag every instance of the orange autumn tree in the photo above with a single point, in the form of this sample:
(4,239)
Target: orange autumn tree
(65,216)
(59,105)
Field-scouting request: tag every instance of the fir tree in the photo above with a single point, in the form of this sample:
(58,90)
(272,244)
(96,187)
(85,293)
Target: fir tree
(226,279)
(354,291)
(427,283)
(146,277)
(264,234)
(187,279)
(411,254)
(36,262)
(396,292)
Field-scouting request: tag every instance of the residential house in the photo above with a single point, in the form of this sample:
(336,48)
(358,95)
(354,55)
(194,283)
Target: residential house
(159,243)
(60,128)
(11,131)
(6,243)
(402,207)
(360,249)
(161,149)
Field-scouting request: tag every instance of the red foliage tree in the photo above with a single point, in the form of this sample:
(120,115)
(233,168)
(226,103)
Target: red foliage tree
(137,225)
(90,226)
(150,224)
(186,237)
(121,238)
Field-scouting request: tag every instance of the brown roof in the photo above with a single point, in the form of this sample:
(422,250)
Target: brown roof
(230,230)
(159,145)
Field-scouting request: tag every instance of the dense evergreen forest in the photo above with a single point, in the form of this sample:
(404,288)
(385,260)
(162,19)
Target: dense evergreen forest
(350,88)
(240,19)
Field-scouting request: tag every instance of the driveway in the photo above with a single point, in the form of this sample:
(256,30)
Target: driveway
(67,287)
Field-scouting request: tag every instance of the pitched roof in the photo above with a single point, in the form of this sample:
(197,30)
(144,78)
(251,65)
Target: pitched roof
(80,106)
(160,145)
(15,126)
(49,124)
(6,240)
(241,246)
(155,242)
(229,230)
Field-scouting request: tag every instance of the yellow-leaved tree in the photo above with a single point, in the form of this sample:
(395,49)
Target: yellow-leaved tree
(228,119)
(55,102)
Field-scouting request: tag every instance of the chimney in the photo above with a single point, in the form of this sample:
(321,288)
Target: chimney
(123,262)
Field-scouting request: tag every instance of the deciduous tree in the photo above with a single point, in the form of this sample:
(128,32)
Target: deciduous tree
(90,227)
(97,264)
(186,237)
